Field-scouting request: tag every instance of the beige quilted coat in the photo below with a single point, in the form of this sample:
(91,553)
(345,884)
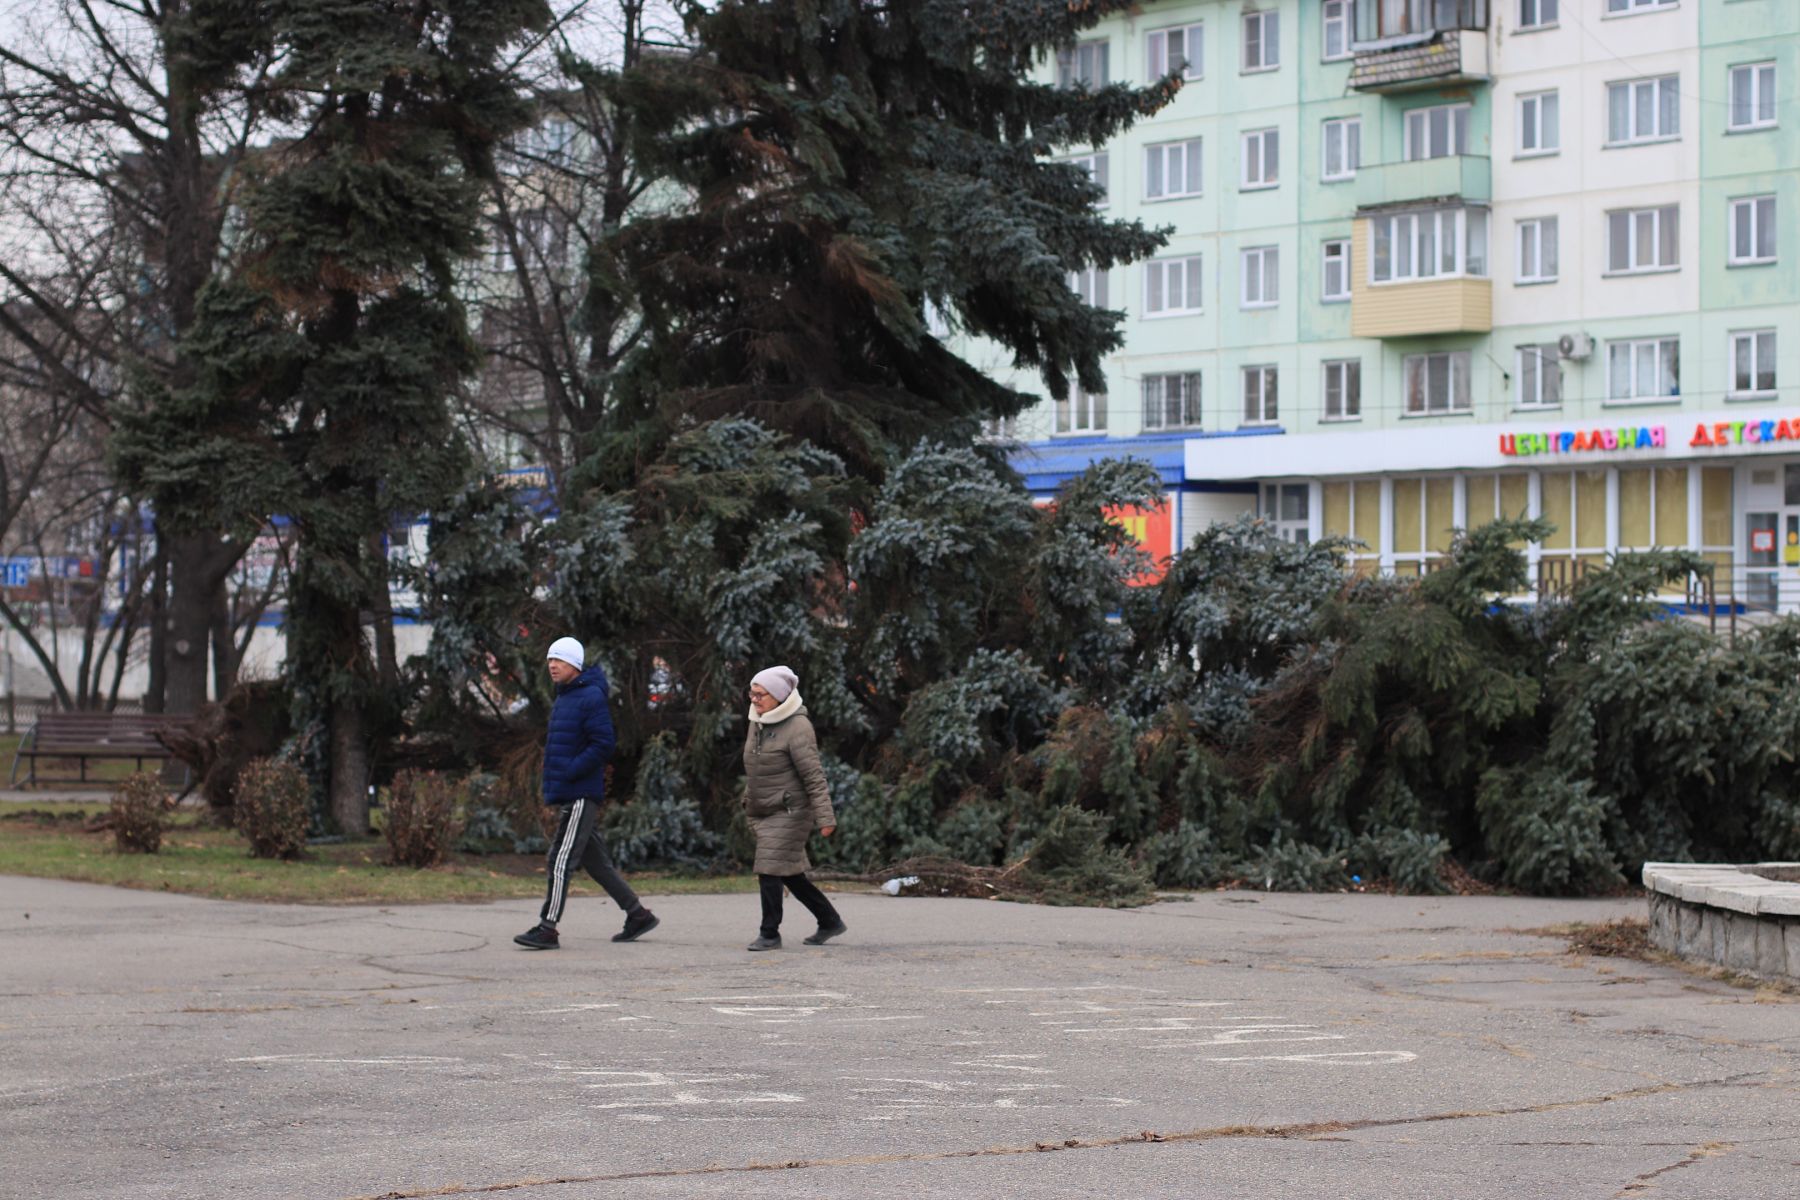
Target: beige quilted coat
(785,795)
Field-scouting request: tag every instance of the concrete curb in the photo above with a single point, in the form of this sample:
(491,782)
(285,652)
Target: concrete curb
(1746,918)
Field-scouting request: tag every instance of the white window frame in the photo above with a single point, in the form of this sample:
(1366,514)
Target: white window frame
(1540,124)
(1753,338)
(1267,388)
(1292,522)
(1263,139)
(1536,19)
(1157,401)
(1069,70)
(1336,15)
(1456,130)
(1631,8)
(1092,285)
(1757,213)
(1263,265)
(1458,391)
(1660,107)
(1760,80)
(999,429)
(1098,167)
(1081,411)
(1349,389)
(1166,160)
(1338,249)
(1415,239)
(1268,49)
(1347,132)
(1193,50)
(1158,273)
(1540,376)
(1537,244)
(1634,228)
(1659,348)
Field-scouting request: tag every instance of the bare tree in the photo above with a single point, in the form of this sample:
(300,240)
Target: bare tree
(121,125)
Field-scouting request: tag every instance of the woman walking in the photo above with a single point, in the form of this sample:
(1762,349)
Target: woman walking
(785,798)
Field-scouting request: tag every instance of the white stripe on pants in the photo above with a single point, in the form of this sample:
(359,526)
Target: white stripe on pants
(559,882)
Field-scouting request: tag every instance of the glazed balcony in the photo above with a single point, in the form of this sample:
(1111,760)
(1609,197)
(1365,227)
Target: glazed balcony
(1408,45)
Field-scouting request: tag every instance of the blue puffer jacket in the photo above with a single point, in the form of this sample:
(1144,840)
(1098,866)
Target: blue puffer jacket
(580,740)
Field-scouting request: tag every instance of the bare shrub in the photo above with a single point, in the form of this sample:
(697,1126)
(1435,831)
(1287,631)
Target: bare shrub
(273,808)
(136,818)
(420,819)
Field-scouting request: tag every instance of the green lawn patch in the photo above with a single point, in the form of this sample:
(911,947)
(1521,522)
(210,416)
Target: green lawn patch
(204,861)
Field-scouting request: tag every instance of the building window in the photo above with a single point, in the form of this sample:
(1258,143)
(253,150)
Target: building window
(1378,20)
(1288,507)
(1081,411)
(1262,41)
(1337,30)
(1643,239)
(1343,389)
(1649,369)
(1427,245)
(1000,429)
(1337,272)
(1539,131)
(1540,376)
(1090,284)
(1631,6)
(1096,167)
(1437,132)
(1537,250)
(1172,401)
(1752,230)
(1171,286)
(1083,65)
(1259,396)
(1753,362)
(1643,110)
(1753,96)
(1437,383)
(1172,169)
(1261,272)
(1535,14)
(1343,149)
(1262,158)
(1177,51)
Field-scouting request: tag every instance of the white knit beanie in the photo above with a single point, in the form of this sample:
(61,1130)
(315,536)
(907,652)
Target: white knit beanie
(779,682)
(569,650)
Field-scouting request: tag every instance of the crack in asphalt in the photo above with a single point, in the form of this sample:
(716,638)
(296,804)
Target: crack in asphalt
(1317,1130)
(1698,1154)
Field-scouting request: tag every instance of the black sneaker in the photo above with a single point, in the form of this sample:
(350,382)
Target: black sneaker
(637,924)
(765,943)
(539,937)
(825,935)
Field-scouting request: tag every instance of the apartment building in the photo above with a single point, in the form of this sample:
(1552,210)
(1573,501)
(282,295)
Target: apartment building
(1438,260)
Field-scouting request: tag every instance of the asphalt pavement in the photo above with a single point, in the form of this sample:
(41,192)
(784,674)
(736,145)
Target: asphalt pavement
(1232,1045)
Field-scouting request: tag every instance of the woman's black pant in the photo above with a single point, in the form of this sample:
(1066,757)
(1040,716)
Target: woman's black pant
(805,891)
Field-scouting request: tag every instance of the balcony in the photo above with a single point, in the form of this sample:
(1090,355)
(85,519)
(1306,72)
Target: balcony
(1445,58)
(1454,177)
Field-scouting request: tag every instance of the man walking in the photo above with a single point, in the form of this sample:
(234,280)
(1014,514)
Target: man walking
(575,753)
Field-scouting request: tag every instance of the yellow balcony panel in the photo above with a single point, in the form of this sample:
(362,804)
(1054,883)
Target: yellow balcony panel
(1456,305)
(1454,56)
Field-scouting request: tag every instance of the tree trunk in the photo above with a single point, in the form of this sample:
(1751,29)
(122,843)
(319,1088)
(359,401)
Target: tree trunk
(188,624)
(381,605)
(349,769)
(224,645)
(156,690)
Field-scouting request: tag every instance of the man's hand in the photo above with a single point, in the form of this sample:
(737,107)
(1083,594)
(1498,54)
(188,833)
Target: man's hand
(828,831)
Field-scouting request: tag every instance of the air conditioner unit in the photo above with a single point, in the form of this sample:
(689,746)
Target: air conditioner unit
(1575,345)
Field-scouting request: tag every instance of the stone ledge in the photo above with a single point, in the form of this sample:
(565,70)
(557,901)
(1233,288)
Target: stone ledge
(1745,918)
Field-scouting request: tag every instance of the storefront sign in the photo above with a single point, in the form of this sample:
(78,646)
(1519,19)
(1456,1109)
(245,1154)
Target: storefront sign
(1762,541)
(1153,530)
(1739,433)
(1643,437)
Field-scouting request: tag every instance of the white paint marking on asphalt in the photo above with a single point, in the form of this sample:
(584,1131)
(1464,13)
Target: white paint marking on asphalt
(403,1060)
(694,1100)
(659,1078)
(1167,1025)
(1347,1058)
(765,996)
(1080,987)
(567,1008)
(1086,1008)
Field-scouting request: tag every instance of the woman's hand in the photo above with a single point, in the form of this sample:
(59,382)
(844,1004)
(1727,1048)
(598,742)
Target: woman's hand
(828,831)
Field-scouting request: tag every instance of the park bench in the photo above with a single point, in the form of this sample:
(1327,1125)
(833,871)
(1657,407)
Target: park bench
(84,735)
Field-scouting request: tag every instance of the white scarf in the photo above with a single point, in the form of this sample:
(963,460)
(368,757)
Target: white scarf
(779,713)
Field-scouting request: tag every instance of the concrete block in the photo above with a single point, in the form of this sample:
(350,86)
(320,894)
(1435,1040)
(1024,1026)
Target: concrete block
(1690,937)
(1790,933)
(1771,949)
(1740,941)
(1782,903)
(1712,939)
(1665,922)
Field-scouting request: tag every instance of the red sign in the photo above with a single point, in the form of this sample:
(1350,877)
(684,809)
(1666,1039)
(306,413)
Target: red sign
(1154,530)
(1762,540)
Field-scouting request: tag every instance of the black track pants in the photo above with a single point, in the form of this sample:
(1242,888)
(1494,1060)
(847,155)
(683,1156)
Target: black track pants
(805,891)
(578,844)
